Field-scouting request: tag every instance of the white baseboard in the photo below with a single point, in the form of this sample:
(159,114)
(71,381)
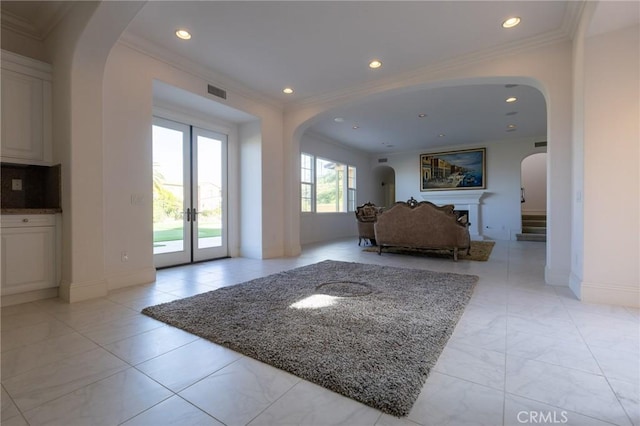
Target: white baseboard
(556,277)
(79,291)
(272,252)
(131,278)
(575,284)
(251,252)
(610,294)
(29,296)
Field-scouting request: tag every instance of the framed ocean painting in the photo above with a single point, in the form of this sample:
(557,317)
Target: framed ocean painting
(453,170)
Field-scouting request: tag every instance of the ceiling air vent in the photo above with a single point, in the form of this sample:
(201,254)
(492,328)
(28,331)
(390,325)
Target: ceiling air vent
(540,144)
(216,91)
(382,160)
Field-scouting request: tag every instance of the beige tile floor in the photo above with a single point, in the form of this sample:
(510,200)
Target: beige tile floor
(523,353)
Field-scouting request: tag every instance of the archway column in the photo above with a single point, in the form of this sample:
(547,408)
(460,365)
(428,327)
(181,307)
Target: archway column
(79,48)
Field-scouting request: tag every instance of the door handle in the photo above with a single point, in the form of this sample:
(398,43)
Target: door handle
(188,213)
(194,214)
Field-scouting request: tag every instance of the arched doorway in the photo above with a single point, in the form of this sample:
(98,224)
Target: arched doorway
(385,192)
(533,197)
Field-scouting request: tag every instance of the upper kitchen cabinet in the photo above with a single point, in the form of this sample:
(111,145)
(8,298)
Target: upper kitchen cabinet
(26,110)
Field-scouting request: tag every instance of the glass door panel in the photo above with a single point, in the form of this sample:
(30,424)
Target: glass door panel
(209,162)
(171,188)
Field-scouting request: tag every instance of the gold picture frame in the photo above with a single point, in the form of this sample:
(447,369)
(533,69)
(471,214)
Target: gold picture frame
(453,170)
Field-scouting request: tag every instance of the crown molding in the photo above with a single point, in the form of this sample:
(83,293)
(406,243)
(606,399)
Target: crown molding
(19,25)
(188,66)
(398,81)
(47,22)
(41,25)
(572,15)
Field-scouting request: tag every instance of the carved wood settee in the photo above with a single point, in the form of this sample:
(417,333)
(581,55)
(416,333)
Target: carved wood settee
(421,225)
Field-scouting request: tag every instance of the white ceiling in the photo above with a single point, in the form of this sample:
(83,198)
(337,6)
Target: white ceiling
(322,48)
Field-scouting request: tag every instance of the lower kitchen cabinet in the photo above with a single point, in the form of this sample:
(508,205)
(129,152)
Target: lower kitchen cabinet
(30,252)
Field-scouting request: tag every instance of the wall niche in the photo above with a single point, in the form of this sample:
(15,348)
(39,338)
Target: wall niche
(40,186)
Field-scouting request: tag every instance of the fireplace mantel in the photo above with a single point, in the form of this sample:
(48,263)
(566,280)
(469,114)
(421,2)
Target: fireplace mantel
(462,200)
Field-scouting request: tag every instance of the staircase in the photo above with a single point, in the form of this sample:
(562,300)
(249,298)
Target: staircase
(534,228)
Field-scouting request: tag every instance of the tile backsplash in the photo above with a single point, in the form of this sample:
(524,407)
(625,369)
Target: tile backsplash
(40,186)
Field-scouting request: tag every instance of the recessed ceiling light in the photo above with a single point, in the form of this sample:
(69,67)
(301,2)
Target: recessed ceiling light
(288,90)
(183,34)
(422,115)
(511,22)
(356,127)
(441,135)
(511,99)
(375,64)
(511,126)
(339,120)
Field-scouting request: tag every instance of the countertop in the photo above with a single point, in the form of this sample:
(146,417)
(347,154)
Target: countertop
(31,211)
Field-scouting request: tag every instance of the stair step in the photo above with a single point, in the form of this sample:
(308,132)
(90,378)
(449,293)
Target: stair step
(534,230)
(531,237)
(534,217)
(539,223)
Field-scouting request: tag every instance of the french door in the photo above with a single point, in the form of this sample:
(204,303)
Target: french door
(189,193)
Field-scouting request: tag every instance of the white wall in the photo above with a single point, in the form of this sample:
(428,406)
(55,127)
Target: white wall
(534,182)
(128,108)
(500,206)
(316,227)
(250,190)
(611,172)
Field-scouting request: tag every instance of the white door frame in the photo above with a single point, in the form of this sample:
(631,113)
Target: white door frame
(190,251)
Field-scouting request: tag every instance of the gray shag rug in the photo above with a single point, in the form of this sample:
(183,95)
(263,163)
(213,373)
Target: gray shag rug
(369,332)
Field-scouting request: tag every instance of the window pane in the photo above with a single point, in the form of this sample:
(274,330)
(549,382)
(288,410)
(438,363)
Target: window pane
(340,187)
(305,197)
(352,189)
(306,180)
(352,177)
(306,161)
(326,186)
(352,200)
(306,175)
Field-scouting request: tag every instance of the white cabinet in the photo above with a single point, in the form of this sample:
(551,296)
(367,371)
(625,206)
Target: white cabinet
(26,110)
(29,253)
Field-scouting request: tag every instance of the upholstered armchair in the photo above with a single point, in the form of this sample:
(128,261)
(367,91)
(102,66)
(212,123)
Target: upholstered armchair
(366,216)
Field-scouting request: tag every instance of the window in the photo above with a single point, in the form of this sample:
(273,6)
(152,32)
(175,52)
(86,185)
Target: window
(328,188)
(351,195)
(306,183)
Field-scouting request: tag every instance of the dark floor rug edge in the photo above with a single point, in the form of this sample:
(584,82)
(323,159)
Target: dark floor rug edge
(400,406)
